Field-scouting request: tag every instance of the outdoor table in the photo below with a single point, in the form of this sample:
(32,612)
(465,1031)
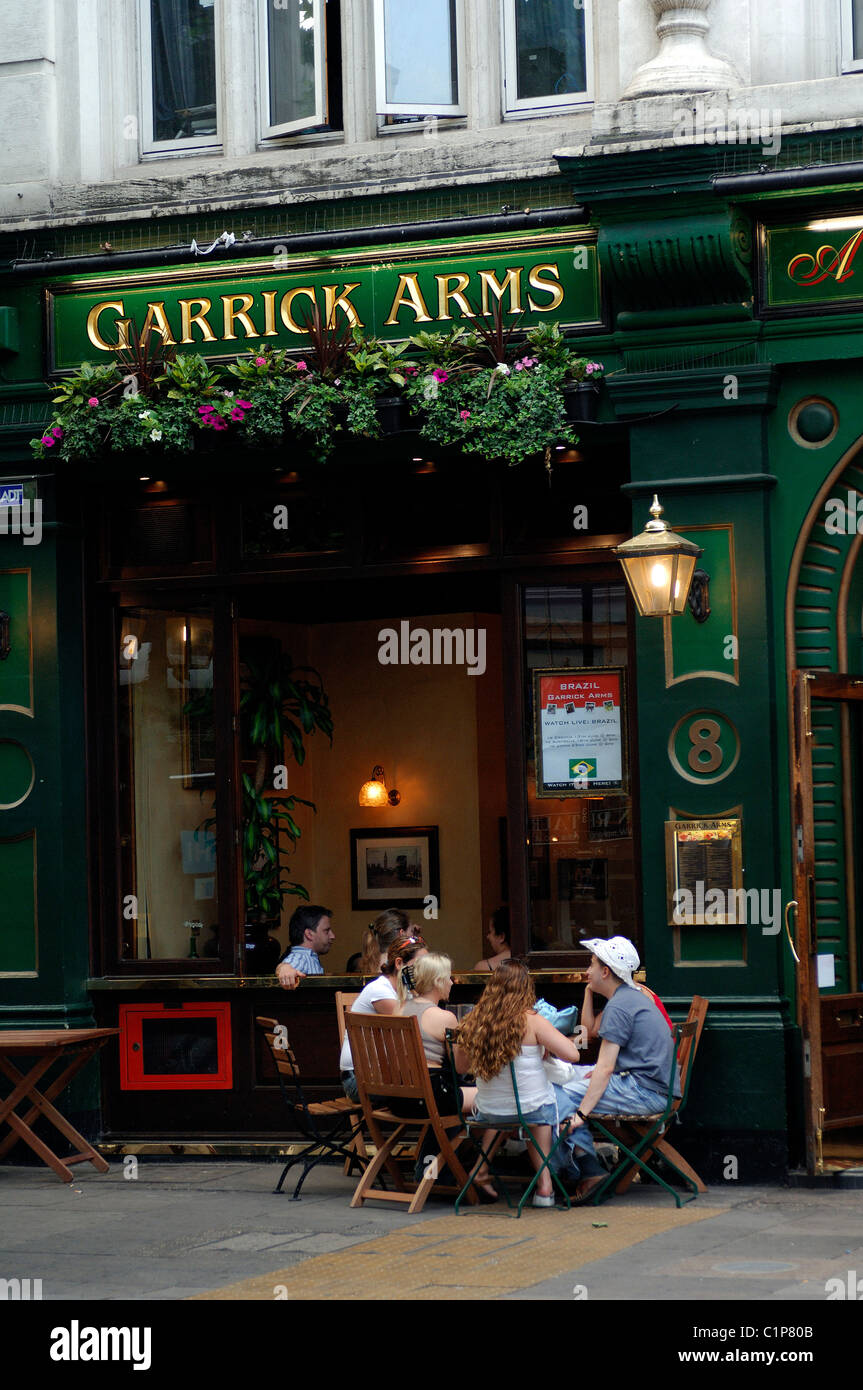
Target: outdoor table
(75,1046)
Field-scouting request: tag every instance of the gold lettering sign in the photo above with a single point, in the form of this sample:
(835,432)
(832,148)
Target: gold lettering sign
(445,294)
(93,331)
(287,303)
(270,330)
(409,294)
(331,303)
(187,319)
(157,322)
(512,282)
(231,315)
(553,287)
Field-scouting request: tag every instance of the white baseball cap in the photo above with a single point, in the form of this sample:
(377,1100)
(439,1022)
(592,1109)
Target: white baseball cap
(618,953)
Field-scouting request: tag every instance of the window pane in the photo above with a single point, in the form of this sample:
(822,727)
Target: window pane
(420,53)
(580,853)
(550,57)
(292,62)
(857,20)
(167,783)
(183,41)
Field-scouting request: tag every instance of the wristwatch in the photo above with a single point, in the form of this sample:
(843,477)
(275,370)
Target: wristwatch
(581,1117)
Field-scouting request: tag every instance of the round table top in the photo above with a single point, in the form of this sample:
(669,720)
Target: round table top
(30,1041)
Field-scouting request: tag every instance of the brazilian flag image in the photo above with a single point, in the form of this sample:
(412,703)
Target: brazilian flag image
(582,767)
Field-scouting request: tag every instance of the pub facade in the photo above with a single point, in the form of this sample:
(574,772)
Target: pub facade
(451,627)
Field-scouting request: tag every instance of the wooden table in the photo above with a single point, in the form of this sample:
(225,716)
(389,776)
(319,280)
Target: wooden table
(74,1047)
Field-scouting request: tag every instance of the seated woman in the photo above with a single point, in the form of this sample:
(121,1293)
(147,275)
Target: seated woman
(380,995)
(497,937)
(503,1028)
(422,985)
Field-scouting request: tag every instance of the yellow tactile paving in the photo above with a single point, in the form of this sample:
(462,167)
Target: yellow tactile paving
(480,1254)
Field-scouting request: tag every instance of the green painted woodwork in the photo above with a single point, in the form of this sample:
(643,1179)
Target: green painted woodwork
(18,936)
(815,422)
(709,646)
(16,773)
(15,685)
(553,272)
(9,337)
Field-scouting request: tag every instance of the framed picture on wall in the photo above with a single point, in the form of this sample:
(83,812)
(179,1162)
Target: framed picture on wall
(394,868)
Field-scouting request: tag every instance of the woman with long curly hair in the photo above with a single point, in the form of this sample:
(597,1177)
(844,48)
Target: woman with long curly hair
(380,996)
(504,1028)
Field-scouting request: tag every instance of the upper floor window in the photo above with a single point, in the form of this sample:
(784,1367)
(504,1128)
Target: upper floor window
(852,35)
(546,53)
(300,65)
(419,58)
(179,78)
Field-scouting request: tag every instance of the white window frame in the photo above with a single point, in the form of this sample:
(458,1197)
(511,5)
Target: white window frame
(849,62)
(149,145)
(514,105)
(319,115)
(394,108)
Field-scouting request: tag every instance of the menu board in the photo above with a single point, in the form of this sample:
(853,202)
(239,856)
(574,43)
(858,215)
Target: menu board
(704,871)
(579,721)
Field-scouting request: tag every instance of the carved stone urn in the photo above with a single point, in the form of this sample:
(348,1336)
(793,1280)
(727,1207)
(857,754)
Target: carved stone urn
(684,62)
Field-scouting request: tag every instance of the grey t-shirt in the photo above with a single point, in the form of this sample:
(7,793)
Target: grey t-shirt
(632,1020)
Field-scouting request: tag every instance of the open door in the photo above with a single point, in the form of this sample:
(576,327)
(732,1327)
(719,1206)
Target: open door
(828,780)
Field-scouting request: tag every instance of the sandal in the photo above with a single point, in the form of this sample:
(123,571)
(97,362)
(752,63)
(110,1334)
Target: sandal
(585,1190)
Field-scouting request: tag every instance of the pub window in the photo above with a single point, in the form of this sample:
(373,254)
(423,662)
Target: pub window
(582,878)
(852,35)
(167,784)
(300,63)
(179,74)
(419,58)
(546,53)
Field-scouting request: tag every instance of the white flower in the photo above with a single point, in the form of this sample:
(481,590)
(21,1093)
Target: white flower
(155,435)
(144,414)
(229,394)
(502,367)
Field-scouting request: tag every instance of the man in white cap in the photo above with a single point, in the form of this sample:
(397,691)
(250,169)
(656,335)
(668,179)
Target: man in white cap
(635,1060)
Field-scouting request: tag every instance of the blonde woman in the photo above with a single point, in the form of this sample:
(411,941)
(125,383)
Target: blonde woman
(423,985)
(503,1028)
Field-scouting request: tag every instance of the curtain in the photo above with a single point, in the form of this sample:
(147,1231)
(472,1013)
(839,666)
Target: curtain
(183,43)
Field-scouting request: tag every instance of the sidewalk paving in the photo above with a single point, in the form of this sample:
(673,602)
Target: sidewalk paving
(215,1230)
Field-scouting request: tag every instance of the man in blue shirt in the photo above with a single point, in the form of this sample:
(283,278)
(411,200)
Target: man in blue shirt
(310,935)
(634,1065)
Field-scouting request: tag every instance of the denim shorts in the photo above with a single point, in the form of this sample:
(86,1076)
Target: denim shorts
(543,1115)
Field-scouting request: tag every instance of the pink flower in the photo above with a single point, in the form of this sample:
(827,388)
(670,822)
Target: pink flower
(465,414)
(205,409)
(47,441)
(410,371)
(94,400)
(440,375)
(57,432)
(244,405)
(260,361)
(302,367)
(238,415)
(219,424)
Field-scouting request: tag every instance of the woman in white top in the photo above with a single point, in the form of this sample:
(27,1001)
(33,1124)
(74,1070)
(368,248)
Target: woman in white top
(503,1028)
(423,986)
(379,997)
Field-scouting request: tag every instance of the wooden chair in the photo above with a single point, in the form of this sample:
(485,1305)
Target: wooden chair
(328,1126)
(344,1003)
(686,1059)
(646,1133)
(390,1065)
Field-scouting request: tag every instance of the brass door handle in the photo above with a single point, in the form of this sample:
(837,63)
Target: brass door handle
(788,907)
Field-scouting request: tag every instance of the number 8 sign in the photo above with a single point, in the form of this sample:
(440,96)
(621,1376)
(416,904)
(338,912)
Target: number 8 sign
(704,747)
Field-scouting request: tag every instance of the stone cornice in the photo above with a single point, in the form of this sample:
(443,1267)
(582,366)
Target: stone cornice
(718,389)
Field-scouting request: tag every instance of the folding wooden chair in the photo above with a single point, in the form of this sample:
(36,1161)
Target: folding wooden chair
(645,1132)
(344,1003)
(328,1126)
(686,1059)
(390,1065)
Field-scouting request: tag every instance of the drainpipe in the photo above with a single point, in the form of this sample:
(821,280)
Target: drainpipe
(822,175)
(306,241)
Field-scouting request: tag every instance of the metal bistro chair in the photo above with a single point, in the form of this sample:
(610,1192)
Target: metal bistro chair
(521,1130)
(645,1131)
(328,1126)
